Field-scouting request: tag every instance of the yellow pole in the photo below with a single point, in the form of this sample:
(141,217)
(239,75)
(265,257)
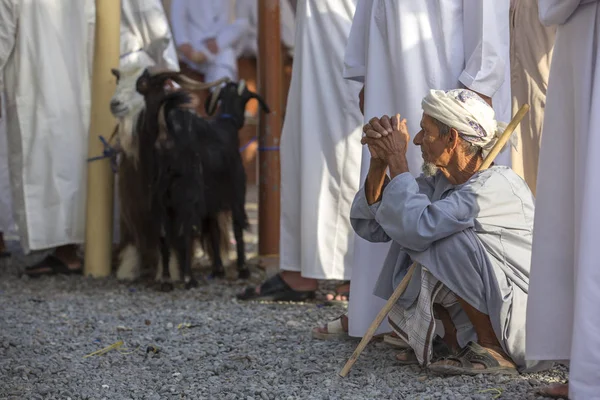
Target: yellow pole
(100,179)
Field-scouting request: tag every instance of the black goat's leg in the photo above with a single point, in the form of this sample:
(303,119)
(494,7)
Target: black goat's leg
(184,254)
(215,242)
(165,278)
(239,221)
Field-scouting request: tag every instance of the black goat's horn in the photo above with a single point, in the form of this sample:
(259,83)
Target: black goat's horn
(212,101)
(241,87)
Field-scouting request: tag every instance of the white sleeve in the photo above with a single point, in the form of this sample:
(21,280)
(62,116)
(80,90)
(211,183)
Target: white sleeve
(8,32)
(485,31)
(355,57)
(179,22)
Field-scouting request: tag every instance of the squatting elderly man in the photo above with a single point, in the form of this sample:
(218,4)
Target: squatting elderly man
(469,233)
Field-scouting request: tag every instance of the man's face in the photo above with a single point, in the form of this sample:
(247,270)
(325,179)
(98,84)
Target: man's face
(433,147)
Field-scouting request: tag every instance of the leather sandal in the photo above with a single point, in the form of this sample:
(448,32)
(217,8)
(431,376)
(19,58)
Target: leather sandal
(470,355)
(276,289)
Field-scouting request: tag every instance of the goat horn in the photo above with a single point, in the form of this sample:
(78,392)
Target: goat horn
(213,101)
(241,87)
(192,84)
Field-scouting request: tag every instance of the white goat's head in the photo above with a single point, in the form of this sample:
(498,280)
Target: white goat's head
(126,100)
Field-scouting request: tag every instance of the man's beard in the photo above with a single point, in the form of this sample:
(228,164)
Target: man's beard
(429,169)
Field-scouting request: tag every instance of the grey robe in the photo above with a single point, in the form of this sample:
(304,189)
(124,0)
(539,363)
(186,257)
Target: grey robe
(475,238)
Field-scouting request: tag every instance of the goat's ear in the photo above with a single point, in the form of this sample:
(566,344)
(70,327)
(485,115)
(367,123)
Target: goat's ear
(211,101)
(116,73)
(143,83)
(261,101)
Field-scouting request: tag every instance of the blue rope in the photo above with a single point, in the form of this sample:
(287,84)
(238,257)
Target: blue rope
(108,152)
(244,147)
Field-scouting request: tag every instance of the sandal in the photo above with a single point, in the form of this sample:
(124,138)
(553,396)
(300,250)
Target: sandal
(51,265)
(440,351)
(395,341)
(473,353)
(555,391)
(338,293)
(276,289)
(335,330)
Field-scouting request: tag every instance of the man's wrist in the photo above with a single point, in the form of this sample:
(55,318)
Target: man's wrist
(398,165)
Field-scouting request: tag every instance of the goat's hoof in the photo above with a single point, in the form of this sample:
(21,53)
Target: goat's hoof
(191,284)
(244,273)
(220,274)
(166,287)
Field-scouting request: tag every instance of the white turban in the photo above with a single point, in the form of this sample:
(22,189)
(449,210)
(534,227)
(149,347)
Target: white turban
(465,111)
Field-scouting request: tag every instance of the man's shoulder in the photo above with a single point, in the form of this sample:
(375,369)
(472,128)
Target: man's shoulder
(501,178)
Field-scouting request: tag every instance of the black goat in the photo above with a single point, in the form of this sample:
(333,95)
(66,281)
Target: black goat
(195,169)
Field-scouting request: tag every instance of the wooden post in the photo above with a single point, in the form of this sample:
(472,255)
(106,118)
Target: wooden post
(269,83)
(100,179)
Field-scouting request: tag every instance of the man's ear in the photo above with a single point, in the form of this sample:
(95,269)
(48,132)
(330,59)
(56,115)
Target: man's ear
(453,138)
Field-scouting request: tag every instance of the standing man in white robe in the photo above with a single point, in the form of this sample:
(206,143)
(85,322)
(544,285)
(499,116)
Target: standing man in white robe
(206,38)
(320,157)
(45,51)
(248,10)
(531,46)
(562,320)
(399,50)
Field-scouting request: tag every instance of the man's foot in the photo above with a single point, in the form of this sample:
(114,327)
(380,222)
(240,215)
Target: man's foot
(63,261)
(556,391)
(336,329)
(285,286)
(341,295)
(440,350)
(475,359)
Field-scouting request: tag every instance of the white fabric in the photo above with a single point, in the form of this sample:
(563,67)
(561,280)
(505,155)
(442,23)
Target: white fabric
(401,49)
(45,51)
(466,112)
(248,10)
(146,36)
(7,224)
(563,320)
(320,146)
(195,21)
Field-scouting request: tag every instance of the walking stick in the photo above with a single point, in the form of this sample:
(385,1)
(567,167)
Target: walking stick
(404,283)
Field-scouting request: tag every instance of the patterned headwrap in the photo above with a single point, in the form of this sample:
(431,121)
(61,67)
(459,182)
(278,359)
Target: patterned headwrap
(466,112)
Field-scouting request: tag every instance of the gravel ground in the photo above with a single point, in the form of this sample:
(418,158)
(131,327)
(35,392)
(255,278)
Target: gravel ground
(231,350)
(235,351)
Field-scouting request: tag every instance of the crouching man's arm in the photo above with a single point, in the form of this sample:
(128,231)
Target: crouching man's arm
(366,202)
(409,217)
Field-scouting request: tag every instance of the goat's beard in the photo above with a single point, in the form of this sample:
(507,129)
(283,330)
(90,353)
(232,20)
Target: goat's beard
(429,169)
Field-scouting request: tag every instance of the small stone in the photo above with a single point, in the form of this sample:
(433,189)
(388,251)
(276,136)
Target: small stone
(170,325)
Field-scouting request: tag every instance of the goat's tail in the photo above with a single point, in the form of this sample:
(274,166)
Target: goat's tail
(223,223)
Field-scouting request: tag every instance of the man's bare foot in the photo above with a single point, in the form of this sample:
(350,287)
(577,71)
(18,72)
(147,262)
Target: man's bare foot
(342,293)
(68,255)
(556,391)
(324,330)
(63,261)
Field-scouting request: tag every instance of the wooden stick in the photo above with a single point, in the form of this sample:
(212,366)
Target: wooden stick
(406,280)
